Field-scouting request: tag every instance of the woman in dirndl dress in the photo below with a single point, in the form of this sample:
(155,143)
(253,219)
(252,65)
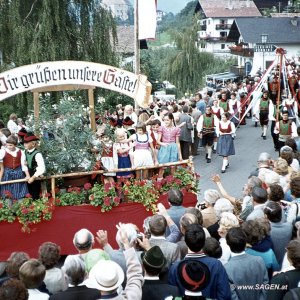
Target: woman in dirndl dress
(225,148)
(13,168)
(144,154)
(122,154)
(168,139)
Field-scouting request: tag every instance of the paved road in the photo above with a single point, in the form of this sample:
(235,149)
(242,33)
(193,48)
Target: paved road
(248,146)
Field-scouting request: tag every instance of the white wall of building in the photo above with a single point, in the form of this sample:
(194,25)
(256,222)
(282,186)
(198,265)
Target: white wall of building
(212,36)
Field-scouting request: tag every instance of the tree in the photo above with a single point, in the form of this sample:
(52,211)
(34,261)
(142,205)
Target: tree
(185,68)
(35,31)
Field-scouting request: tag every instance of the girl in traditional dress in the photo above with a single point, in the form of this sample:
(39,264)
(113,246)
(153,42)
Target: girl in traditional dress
(217,111)
(122,154)
(144,154)
(13,168)
(107,156)
(168,139)
(225,129)
(234,108)
(291,106)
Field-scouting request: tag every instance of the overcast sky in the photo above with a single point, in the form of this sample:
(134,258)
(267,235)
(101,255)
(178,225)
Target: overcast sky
(174,6)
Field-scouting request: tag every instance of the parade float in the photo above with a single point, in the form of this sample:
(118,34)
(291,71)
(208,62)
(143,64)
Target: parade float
(64,208)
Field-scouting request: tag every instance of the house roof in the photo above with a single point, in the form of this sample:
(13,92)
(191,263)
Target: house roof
(229,8)
(279,30)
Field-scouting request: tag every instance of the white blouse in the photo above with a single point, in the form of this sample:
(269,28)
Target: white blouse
(14,154)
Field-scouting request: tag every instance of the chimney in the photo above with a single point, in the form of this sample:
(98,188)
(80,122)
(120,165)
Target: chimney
(230,5)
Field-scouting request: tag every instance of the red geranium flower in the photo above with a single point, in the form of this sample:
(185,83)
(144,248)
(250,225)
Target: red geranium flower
(178,181)
(106,201)
(117,200)
(28,195)
(87,186)
(24,211)
(107,187)
(1,205)
(92,197)
(8,194)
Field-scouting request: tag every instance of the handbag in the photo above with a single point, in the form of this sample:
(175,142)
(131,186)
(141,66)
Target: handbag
(190,125)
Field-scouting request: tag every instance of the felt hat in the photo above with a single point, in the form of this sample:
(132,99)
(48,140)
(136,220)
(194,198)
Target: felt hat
(93,256)
(154,258)
(29,137)
(193,275)
(22,132)
(112,121)
(127,122)
(106,275)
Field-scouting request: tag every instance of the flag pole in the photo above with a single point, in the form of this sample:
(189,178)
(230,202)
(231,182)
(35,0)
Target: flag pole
(136,47)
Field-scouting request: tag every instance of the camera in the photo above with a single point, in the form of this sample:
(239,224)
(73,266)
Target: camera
(140,236)
(201,206)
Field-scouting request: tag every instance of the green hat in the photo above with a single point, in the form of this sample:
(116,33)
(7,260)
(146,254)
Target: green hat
(154,258)
(93,256)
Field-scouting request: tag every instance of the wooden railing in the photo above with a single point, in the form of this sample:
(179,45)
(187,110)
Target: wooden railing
(53,178)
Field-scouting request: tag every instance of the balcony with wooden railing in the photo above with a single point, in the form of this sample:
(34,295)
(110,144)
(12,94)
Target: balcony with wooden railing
(214,38)
(241,51)
(223,26)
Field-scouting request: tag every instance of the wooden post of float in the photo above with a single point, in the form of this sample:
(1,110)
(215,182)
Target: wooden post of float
(36,110)
(92,108)
(53,187)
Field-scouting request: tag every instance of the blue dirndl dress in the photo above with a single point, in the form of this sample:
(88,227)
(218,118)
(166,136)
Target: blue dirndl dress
(168,153)
(123,163)
(16,190)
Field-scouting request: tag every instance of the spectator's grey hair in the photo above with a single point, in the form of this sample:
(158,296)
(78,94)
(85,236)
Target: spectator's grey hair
(222,205)
(211,196)
(74,268)
(131,234)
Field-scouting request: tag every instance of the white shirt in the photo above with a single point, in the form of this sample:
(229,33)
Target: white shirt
(225,125)
(13,127)
(40,169)
(35,294)
(200,122)
(226,253)
(3,138)
(237,254)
